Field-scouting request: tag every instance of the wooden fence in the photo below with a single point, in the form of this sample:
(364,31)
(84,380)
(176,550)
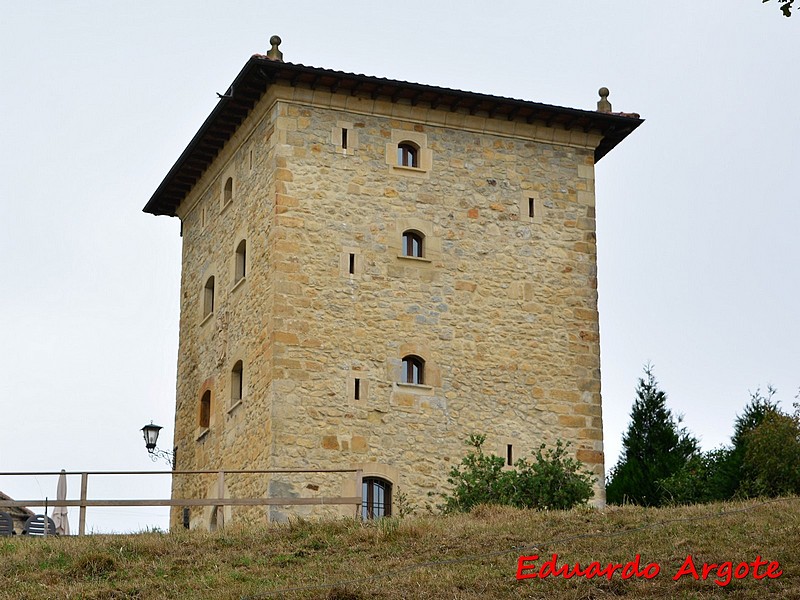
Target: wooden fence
(219,502)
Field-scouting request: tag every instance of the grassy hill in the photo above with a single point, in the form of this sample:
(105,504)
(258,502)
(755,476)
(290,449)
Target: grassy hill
(458,557)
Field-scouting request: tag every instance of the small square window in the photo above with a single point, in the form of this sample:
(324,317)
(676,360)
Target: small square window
(413,370)
(344,137)
(408,155)
(531,208)
(413,244)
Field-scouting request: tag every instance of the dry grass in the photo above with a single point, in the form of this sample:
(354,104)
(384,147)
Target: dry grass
(459,557)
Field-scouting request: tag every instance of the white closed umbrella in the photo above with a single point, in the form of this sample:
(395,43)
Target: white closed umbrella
(60,512)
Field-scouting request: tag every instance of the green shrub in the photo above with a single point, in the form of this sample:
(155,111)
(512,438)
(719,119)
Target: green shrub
(551,481)
(479,479)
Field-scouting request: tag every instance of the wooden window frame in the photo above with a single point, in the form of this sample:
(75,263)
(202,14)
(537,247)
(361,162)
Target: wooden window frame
(372,508)
(413,370)
(413,243)
(408,155)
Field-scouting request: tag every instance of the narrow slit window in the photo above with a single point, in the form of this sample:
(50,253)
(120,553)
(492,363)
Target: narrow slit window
(208,297)
(241,261)
(509,455)
(344,138)
(205,410)
(227,195)
(531,206)
(352,264)
(237,382)
(357,389)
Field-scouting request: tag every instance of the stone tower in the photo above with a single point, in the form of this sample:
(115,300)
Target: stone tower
(375,269)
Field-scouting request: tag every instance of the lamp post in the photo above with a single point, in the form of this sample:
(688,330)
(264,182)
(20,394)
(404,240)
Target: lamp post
(150,433)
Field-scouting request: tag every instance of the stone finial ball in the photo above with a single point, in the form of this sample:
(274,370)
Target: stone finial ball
(275,40)
(603,91)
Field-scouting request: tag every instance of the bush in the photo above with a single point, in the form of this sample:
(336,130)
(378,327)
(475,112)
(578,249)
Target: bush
(551,481)
(479,479)
(696,482)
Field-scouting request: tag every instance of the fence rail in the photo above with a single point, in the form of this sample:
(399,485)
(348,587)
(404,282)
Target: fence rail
(219,502)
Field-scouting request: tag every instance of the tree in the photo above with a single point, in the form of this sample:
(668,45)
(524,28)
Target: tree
(653,449)
(726,482)
(785,6)
(771,463)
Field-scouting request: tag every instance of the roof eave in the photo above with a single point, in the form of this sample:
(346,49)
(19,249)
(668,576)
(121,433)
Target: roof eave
(259,71)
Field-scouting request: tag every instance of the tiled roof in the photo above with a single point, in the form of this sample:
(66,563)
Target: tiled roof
(260,71)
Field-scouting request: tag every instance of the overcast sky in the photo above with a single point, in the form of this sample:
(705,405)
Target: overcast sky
(697,211)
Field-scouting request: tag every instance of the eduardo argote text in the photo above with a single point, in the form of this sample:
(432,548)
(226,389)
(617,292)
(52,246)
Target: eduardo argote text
(529,567)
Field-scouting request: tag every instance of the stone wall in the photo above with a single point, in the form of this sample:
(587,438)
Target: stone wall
(502,306)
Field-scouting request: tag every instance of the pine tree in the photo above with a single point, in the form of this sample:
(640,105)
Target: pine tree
(653,448)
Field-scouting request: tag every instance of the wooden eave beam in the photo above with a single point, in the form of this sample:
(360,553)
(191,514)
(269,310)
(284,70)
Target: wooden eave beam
(185,178)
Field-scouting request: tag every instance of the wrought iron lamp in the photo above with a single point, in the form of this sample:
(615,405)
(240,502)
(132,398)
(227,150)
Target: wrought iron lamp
(150,433)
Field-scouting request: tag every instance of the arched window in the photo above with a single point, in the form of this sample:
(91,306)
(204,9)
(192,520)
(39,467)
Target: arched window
(208,297)
(237,383)
(241,261)
(413,370)
(413,243)
(227,193)
(376,498)
(205,409)
(407,154)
